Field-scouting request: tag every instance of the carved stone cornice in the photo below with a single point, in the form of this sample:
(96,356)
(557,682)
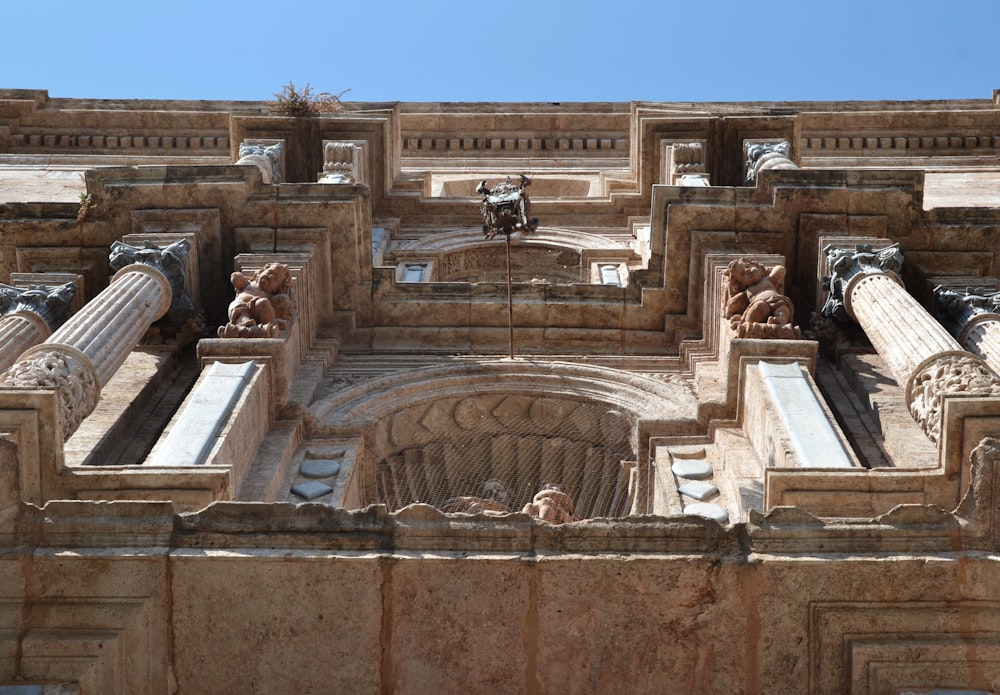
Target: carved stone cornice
(63,368)
(847,268)
(171,262)
(948,374)
(50,303)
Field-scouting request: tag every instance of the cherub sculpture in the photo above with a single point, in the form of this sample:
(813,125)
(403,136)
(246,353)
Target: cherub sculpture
(551,504)
(755,305)
(264,304)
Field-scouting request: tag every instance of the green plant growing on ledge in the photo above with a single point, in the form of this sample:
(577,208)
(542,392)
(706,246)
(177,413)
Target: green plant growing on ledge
(87,203)
(293,101)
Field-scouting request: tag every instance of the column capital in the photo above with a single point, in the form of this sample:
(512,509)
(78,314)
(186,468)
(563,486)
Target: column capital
(848,267)
(170,261)
(267,158)
(958,308)
(765,155)
(50,303)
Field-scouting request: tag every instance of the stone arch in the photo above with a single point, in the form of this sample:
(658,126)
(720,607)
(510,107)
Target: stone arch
(438,433)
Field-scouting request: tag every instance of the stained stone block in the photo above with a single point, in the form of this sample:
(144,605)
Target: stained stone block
(699,490)
(707,510)
(693,469)
(311,490)
(320,468)
(194,435)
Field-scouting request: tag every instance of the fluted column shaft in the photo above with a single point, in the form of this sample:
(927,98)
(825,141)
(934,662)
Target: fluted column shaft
(921,355)
(902,332)
(82,356)
(18,332)
(981,336)
(973,317)
(109,326)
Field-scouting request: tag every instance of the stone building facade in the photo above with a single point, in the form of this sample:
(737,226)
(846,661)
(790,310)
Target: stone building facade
(280,413)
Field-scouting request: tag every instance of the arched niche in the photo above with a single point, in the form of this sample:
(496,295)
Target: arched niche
(436,434)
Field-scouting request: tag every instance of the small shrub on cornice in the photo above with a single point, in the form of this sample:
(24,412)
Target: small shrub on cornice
(293,101)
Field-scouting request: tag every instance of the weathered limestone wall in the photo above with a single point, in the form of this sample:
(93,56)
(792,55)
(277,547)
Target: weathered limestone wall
(264,598)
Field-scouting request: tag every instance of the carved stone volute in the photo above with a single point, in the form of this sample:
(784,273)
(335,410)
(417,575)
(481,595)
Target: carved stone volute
(53,304)
(171,261)
(847,267)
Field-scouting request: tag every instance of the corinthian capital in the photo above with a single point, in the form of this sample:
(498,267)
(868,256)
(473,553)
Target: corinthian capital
(50,303)
(847,266)
(171,262)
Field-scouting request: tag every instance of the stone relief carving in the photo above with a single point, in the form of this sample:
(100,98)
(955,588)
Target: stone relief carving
(495,500)
(172,262)
(845,265)
(957,308)
(755,304)
(264,304)
(505,208)
(551,504)
(51,303)
(338,163)
(949,374)
(63,369)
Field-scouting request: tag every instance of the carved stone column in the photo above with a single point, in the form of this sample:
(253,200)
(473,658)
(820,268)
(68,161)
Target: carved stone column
(267,158)
(766,155)
(29,316)
(922,356)
(339,164)
(974,319)
(82,356)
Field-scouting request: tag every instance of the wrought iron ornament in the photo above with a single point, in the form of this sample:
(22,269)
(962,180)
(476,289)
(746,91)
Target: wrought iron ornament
(506,208)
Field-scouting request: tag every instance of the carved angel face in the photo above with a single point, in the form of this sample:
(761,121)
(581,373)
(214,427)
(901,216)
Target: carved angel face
(745,273)
(271,277)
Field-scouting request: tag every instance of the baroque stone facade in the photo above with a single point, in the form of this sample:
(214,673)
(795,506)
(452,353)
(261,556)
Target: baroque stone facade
(717,415)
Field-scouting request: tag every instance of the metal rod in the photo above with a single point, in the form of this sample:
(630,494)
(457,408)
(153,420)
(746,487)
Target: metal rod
(510,301)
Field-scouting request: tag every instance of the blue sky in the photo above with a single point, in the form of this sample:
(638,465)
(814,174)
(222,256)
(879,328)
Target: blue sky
(535,50)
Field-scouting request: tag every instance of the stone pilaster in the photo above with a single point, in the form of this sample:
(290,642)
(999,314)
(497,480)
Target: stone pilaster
(29,316)
(765,155)
(921,355)
(973,317)
(85,352)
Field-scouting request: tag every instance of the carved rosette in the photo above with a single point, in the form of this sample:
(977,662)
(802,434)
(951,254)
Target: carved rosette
(948,374)
(63,369)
